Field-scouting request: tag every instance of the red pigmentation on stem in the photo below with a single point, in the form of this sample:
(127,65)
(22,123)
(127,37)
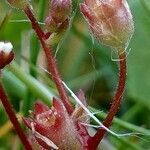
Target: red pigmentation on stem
(112,24)
(94,141)
(13,119)
(51,61)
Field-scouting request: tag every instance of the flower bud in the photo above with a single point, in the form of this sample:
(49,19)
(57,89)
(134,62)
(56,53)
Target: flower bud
(6,54)
(110,21)
(21,4)
(58,14)
(60,10)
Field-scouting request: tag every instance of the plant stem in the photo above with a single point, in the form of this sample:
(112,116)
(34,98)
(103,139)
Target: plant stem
(121,123)
(34,41)
(12,117)
(51,61)
(94,141)
(46,96)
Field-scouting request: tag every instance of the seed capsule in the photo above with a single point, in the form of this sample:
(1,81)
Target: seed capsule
(110,21)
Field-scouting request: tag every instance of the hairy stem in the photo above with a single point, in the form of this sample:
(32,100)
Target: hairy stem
(94,141)
(12,117)
(50,59)
(34,41)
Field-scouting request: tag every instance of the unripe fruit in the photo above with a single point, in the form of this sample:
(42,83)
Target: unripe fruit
(110,21)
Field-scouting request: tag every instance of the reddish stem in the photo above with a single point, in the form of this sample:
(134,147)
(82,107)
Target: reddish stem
(12,117)
(51,61)
(94,141)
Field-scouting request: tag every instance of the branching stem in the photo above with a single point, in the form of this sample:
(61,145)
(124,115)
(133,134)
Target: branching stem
(12,117)
(50,59)
(94,141)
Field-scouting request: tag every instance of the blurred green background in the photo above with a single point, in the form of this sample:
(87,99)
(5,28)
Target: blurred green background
(84,64)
